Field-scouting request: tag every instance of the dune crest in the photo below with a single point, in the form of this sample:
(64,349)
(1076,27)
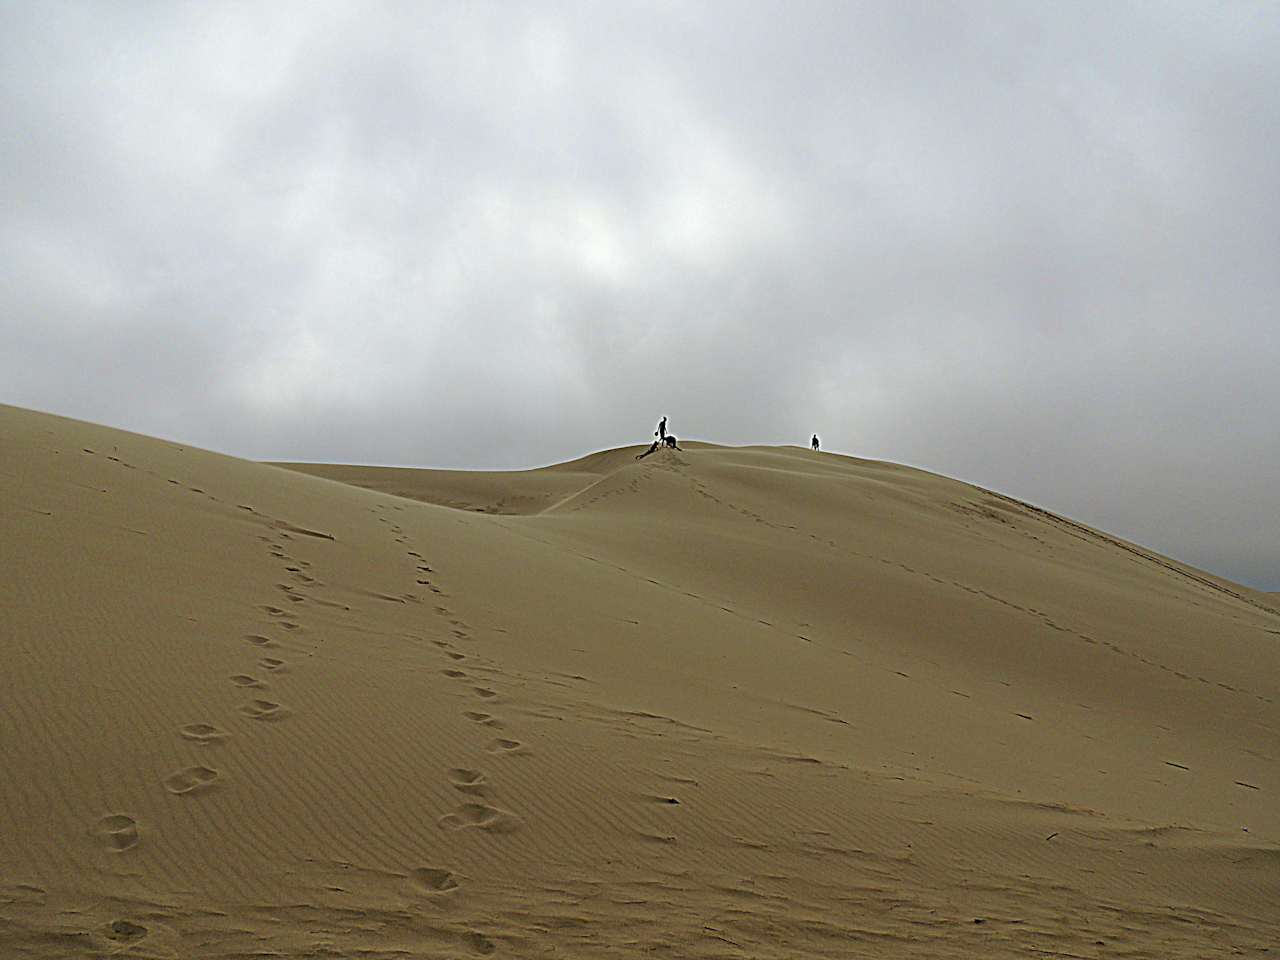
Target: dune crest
(757,702)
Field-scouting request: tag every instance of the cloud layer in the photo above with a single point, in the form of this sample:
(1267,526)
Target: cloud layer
(1033,246)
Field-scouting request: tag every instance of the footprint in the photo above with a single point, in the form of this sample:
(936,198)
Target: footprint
(480,816)
(487,719)
(125,931)
(203,733)
(264,710)
(190,780)
(260,641)
(455,656)
(119,831)
(271,663)
(505,746)
(432,880)
(455,674)
(244,680)
(468,781)
(484,692)
(478,943)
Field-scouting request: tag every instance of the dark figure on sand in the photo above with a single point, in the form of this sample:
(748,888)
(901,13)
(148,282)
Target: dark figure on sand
(667,440)
(815,441)
(661,433)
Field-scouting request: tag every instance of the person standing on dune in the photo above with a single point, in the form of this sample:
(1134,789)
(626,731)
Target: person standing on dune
(661,433)
(815,441)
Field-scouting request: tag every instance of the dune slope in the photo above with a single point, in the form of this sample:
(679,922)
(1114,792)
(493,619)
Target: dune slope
(730,702)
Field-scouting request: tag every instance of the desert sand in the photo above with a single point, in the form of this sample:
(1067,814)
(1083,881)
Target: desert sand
(727,702)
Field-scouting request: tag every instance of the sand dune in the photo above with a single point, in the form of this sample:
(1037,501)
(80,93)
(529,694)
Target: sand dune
(730,702)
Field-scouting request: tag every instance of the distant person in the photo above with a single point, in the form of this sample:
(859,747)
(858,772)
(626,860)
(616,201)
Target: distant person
(661,433)
(814,442)
(652,447)
(670,441)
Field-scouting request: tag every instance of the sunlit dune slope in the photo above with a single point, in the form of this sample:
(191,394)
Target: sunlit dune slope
(729,702)
(518,491)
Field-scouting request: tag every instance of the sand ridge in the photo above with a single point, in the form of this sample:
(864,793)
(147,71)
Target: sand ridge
(725,702)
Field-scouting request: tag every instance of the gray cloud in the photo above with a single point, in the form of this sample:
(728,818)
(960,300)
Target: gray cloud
(1033,246)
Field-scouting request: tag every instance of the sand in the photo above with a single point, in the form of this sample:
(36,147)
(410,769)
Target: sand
(728,702)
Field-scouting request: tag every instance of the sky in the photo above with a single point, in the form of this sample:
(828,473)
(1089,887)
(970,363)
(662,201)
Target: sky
(1035,246)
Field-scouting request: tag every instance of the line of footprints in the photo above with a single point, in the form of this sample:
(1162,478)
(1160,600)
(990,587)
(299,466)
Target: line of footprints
(121,831)
(197,778)
(475,813)
(118,831)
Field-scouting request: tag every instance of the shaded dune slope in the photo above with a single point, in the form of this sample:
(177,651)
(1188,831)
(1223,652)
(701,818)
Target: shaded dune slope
(729,702)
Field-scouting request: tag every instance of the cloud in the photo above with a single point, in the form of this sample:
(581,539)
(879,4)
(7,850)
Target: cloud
(1030,246)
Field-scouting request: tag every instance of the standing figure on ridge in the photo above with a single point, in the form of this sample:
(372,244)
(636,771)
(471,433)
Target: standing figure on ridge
(661,433)
(814,442)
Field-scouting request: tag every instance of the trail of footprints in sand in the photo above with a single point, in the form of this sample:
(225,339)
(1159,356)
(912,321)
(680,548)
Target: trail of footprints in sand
(259,707)
(476,813)
(121,832)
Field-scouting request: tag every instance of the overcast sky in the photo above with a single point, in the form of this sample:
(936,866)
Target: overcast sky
(1032,245)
